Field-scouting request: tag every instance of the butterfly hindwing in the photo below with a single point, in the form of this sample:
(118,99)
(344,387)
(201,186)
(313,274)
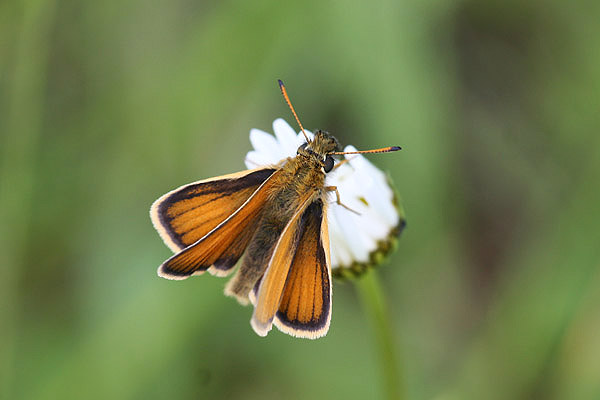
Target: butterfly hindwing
(221,247)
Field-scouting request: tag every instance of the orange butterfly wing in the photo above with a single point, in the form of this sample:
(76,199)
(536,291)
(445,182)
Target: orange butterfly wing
(295,293)
(210,221)
(186,214)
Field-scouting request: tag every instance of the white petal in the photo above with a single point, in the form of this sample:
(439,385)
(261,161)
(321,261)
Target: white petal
(354,237)
(286,137)
(373,226)
(255,159)
(337,243)
(266,144)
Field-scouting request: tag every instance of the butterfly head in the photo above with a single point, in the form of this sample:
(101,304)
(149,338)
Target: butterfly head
(319,149)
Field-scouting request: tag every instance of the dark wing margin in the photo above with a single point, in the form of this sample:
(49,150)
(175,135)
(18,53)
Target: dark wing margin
(268,295)
(220,248)
(184,215)
(305,308)
(295,292)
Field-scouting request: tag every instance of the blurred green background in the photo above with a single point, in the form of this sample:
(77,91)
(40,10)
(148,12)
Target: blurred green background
(494,292)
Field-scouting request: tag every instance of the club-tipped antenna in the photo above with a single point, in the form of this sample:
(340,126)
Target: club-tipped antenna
(289,103)
(382,150)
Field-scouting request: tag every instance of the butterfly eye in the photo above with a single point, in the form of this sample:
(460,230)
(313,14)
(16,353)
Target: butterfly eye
(328,164)
(302,147)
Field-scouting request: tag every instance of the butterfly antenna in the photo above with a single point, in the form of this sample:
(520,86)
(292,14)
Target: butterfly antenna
(382,150)
(289,103)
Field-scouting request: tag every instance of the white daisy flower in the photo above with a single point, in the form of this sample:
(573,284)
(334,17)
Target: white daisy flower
(357,241)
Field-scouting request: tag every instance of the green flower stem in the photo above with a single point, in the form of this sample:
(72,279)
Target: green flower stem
(371,295)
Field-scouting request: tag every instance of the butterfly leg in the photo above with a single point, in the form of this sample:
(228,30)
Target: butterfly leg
(337,196)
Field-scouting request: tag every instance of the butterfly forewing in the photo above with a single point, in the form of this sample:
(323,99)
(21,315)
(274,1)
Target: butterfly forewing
(272,284)
(295,293)
(224,245)
(184,215)
(305,307)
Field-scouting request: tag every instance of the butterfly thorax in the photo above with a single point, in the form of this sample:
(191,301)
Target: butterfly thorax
(298,177)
